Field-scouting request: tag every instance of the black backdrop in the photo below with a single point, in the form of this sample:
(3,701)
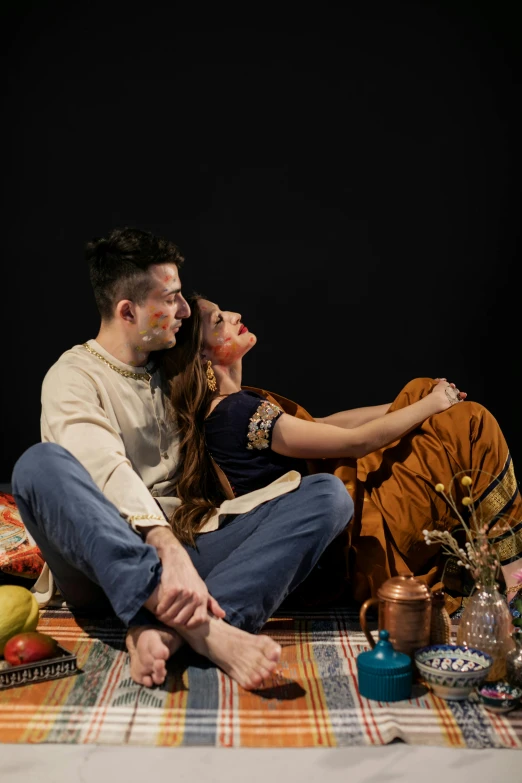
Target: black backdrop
(348,180)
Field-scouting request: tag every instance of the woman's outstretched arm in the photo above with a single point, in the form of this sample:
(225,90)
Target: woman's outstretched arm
(355,417)
(294,437)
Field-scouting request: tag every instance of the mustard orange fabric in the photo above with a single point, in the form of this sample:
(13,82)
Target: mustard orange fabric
(395,499)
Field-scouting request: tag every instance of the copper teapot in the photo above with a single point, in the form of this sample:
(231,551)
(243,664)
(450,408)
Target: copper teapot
(404,611)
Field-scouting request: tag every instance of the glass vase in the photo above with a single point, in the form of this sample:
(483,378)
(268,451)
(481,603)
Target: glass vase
(486,625)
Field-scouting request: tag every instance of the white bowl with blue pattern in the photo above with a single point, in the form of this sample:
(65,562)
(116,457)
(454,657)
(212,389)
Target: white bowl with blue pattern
(451,670)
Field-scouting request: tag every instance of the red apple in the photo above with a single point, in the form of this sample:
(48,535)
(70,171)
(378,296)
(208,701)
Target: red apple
(29,647)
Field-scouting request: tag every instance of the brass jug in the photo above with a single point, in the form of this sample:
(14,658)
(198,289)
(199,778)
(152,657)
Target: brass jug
(404,611)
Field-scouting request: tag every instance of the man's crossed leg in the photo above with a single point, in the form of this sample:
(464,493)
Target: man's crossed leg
(248,566)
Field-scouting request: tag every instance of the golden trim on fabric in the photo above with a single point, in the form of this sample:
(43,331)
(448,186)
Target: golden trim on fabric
(496,500)
(135,517)
(509,547)
(260,424)
(138,376)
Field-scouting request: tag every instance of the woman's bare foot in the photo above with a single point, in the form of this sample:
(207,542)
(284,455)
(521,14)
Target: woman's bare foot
(150,648)
(247,658)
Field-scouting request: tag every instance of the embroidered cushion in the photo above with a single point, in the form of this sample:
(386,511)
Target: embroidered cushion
(19,557)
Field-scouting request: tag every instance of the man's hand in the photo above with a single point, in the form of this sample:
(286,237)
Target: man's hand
(182,597)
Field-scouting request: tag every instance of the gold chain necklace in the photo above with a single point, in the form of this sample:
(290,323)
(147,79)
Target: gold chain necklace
(138,376)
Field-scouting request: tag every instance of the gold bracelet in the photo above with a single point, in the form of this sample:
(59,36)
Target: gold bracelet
(514,588)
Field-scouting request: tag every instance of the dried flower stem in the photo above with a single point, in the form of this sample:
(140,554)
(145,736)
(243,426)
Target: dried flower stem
(479,555)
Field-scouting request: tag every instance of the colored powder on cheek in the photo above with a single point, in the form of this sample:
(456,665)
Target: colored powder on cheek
(156,318)
(144,331)
(226,351)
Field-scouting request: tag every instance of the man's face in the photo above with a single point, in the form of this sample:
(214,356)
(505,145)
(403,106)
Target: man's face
(158,319)
(225,338)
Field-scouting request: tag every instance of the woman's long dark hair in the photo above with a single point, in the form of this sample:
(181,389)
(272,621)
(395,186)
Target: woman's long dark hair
(198,486)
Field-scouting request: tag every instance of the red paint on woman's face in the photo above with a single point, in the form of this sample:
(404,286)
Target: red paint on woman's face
(225,339)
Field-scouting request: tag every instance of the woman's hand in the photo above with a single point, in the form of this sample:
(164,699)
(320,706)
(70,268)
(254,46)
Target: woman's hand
(293,437)
(447,393)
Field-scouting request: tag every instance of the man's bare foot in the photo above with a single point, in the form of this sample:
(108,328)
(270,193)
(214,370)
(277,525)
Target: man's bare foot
(247,658)
(150,648)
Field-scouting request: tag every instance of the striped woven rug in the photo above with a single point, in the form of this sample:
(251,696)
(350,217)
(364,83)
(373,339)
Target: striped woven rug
(314,702)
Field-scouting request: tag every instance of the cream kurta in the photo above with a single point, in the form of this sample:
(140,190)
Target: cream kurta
(115,420)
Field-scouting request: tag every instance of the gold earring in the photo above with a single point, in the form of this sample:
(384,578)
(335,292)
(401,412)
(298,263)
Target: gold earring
(211,377)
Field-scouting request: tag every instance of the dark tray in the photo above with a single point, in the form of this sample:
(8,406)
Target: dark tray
(40,671)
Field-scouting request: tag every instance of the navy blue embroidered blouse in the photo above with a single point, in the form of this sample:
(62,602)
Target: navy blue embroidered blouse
(238,434)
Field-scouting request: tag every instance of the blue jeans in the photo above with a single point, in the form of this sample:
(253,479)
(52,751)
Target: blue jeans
(250,564)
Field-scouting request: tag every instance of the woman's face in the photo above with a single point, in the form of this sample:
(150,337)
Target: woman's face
(225,338)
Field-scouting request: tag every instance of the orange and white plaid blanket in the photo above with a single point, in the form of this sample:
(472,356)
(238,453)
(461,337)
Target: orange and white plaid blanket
(314,702)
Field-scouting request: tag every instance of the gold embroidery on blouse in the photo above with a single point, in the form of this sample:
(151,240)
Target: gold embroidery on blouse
(136,517)
(260,424)
(138,376)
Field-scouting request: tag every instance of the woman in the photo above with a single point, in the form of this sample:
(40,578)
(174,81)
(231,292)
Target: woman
(235,440)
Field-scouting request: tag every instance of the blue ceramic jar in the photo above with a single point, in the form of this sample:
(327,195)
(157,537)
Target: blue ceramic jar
(384,674)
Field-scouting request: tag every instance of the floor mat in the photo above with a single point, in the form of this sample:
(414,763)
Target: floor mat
(314,702)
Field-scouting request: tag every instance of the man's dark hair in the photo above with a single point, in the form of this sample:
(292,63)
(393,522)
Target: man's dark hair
(119,266)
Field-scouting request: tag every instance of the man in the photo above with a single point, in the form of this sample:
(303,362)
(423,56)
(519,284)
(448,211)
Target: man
(96,493)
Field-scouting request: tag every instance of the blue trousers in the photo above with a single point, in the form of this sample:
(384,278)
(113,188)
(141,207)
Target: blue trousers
(250,564)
